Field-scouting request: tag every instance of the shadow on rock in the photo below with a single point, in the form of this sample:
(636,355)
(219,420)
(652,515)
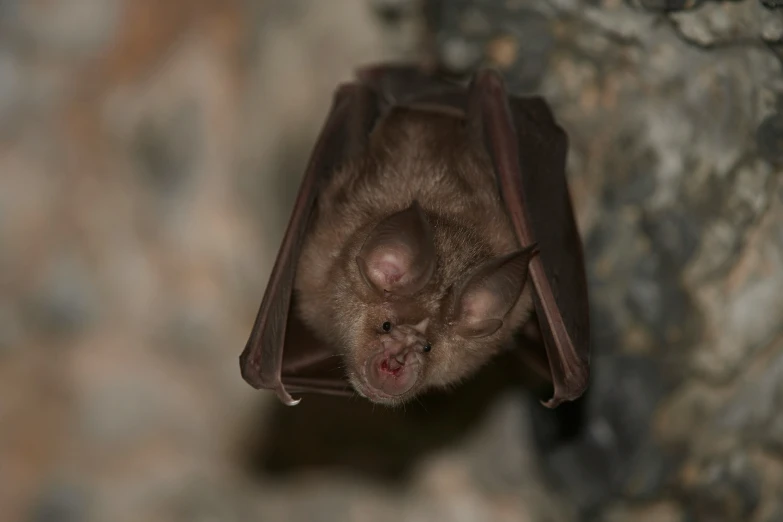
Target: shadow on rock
(355,436)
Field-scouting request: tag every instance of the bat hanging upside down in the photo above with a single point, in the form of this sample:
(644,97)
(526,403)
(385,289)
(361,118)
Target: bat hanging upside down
(432,224)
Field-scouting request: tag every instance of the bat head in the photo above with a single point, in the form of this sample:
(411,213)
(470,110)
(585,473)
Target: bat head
(409,309)
(409,347)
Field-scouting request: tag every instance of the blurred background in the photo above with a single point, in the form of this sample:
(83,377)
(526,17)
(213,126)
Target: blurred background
(149,156)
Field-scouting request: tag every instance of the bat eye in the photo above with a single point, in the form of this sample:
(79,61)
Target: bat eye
(427,347)
(386,326)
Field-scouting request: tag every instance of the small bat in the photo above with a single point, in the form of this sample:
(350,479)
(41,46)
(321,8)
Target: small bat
(433,229)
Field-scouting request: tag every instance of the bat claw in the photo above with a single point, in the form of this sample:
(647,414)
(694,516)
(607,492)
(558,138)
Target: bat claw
(284,396)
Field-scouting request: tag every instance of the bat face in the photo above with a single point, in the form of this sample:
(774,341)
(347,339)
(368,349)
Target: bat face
(395,351)
(390,364)
(402,349)
(405,314)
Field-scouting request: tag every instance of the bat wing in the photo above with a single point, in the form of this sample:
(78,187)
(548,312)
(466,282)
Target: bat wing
(529,153)
(280,354)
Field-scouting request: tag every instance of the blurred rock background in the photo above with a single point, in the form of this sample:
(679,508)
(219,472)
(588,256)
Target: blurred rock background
(149,156)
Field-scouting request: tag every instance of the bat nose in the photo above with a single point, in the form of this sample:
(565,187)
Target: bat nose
(399,354)
(400,345)
(393,372)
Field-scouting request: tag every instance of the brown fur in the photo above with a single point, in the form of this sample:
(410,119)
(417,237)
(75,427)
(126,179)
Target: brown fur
(413,154)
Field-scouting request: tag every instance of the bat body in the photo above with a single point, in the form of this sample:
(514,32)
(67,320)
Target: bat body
(397,236)
(433,225)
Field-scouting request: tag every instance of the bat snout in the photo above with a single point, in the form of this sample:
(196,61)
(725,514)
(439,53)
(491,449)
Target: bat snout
(391,374)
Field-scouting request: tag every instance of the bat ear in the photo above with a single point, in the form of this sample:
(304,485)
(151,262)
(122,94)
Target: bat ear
(490,291)
(398,257)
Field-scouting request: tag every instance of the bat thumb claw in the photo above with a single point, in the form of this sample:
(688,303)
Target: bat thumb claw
(285,398)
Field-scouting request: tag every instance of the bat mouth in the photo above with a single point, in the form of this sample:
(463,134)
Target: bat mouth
(387,378)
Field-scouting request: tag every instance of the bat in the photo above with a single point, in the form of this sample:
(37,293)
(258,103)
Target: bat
(433,229)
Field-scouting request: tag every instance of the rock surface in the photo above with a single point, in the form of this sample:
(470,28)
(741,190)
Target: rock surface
(150,153)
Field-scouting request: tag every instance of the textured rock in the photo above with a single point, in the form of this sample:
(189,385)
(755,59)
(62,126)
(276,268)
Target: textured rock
(769,137)
(614,449)
(508,35)
(753,413)
(724,487)
(727,23)
(657,512)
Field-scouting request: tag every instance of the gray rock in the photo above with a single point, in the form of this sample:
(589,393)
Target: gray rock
(391,11)
(612,450)
(79,30)
(772,28)
(166,147)
(670,5)
(729,206)
(535,42)
(497,456)
(9,11)
(459,54)
(11,332)
(754,410)
(775,513)
(728,23)
(665,511)
(66,300)
(516,39)
(12,87)
(725,488)
(202,500)
(769,139)
(60,502)
(747,313)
